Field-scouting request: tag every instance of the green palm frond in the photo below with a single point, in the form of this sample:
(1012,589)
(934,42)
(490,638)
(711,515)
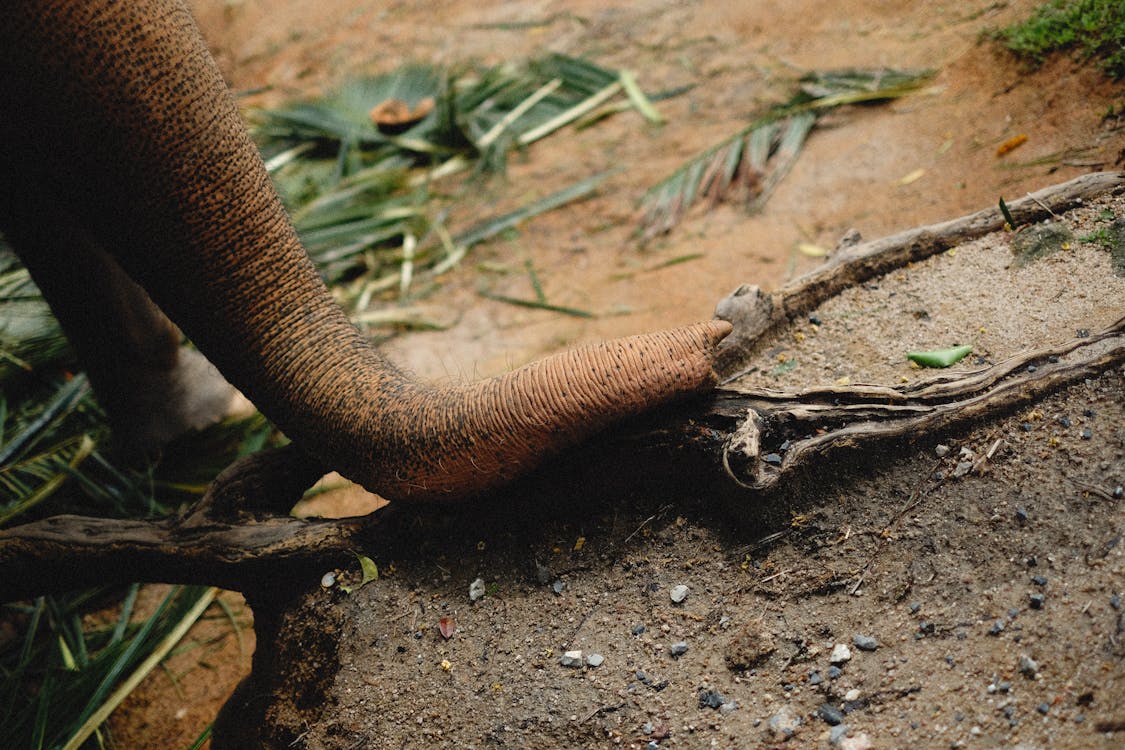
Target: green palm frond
(756,158)
(363,199)
(59,681)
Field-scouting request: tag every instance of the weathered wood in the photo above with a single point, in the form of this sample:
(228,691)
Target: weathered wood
(815,423)
(755,314)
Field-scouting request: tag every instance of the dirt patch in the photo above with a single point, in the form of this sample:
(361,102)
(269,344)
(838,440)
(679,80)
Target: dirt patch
(853,173)
(962,593)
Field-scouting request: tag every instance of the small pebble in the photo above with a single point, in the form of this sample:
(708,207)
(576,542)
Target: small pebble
(815,678)
(1065,421)
(834,672)
(837,733)
(997,628)
(962,469)
(831,715)
(860,742)
(942,450)
(852,695)
(728,707)
(711,699)
(1087,433)
(783,724)
(1043,708)
(1090,413)
(572,659)
(1039,580)
(679,648)
(1036,601)
(1004,687)
(595,660)
(865,643)
(1118,492)
(927,628)
(476,589)
(915,607)
(638,629)
(1115,601)
(558,587)
(814,319)
(328,580)
(1028,666)
(1021,515)
(840,654)
(773,459)
(652,745)
(678,593)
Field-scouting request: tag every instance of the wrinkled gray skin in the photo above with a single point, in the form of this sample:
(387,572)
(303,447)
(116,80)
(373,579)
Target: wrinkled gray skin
(124,165)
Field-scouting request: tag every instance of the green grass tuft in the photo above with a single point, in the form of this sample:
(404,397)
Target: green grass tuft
(1096,28)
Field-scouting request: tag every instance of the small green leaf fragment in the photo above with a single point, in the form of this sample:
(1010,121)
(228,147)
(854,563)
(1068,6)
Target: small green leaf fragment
(369,568)
(1009,221)
(940,357)
(370,573)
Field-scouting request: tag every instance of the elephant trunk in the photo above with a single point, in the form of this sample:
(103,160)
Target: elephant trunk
(118,109)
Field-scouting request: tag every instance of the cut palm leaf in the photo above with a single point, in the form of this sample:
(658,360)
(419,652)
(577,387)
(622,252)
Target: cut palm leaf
(757,157)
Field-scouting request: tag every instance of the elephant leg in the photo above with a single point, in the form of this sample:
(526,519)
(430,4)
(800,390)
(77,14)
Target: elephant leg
(151,387)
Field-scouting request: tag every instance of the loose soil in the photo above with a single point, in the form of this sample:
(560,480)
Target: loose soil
(961,551)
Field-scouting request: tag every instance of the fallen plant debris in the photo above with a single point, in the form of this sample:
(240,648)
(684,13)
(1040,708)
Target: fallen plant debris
(756,158)
(358,167)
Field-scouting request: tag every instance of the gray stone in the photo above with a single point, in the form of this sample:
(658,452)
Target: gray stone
(572,659)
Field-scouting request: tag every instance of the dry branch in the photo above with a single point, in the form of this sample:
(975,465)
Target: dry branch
(814,423)
(755,314)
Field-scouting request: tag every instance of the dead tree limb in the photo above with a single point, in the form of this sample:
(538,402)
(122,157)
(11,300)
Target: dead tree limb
(756,314)
(781,433)
(238,534)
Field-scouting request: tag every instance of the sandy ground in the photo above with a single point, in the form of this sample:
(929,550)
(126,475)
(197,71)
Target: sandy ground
(852,174)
